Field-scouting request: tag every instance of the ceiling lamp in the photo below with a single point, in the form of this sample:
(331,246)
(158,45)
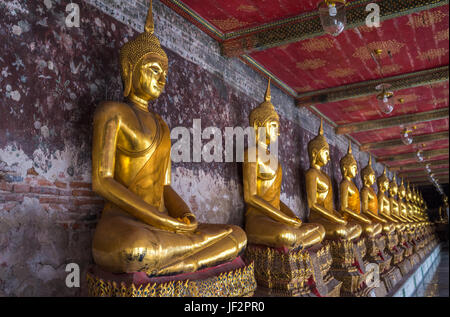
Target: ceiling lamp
(428,168)
(332,16)
(406,136)
(419,156)
(385,98)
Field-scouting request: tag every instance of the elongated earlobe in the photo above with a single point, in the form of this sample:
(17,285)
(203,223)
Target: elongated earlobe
(127,78)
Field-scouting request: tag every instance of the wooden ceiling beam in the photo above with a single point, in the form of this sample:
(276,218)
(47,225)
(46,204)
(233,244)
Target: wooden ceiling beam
(393,121)
(424,138)
(423,173)
(418,165)
(411,155)
(367,88)
(307,25)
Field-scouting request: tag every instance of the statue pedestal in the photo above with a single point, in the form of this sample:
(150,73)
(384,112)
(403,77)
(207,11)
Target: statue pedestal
(376,253)
(303,273)
(232,279)
(349,267)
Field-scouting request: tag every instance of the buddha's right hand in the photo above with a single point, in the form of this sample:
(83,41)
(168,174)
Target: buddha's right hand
(296,222)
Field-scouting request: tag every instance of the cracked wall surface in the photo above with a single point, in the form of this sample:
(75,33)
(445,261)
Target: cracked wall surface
(51,80)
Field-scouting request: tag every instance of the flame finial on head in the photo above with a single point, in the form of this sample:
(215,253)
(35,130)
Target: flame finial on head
(348,160)
(149,24)
(268,97)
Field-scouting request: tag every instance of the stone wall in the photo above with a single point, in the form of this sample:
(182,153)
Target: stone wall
(52,78)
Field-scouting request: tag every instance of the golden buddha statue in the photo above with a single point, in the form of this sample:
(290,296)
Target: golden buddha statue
(320,193)
(350,203)
(410,208)
(145,225)
(268,221)
(369,200)
(383,201)
(394,202)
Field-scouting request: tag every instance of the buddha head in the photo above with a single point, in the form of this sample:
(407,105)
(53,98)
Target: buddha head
(318,149)
(349,168)
(368,174)
(393,187)
(383,182)
(408,193)
(265,116)
(401,190)
(144,64)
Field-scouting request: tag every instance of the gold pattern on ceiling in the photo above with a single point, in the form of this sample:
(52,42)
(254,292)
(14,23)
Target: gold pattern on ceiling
(247,8)
(311,64)
(426,19)
(440,100)
(392,46)
(317,44)
(441,36)
(408,98)
(389,69)
(341,72)
(304,88)
(433,53)
(229,24)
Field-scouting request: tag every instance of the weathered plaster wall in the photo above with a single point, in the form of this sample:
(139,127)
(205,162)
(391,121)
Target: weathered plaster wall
(51,79)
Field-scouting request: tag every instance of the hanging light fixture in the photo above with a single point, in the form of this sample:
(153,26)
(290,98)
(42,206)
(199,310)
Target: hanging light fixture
(419,156)
(332,16)
(428,168)
(406,136)
(385,98)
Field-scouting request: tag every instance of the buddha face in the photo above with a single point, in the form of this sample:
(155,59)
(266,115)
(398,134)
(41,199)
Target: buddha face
(149,79)
(401,192)
(352,170)
(393,190)
(322,157)
(271,130)
(383,185)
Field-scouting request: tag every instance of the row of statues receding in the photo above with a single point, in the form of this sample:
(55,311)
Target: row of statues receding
(146,226)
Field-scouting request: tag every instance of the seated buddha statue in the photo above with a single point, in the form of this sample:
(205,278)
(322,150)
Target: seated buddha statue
(320,193)
(145,226)
(410,208)
(394,203)
(383,201)
(268,221)
(369,200)
(350,203)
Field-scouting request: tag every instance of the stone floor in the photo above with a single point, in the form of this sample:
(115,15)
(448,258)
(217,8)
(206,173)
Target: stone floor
(436,281)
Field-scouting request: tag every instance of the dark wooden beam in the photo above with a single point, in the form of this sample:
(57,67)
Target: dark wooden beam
(411,166)
(424,138)
(367,88)
(423,173)
(393,121)
(411,155)
(306,26)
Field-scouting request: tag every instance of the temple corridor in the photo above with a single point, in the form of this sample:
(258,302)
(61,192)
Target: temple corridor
(435,283)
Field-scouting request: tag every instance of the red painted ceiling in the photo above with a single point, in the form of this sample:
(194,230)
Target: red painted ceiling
(233,15)
(410,43)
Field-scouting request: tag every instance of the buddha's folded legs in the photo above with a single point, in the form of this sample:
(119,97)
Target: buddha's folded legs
(123,244)
(222,251)
(372,230)
(348,232)
(263,230)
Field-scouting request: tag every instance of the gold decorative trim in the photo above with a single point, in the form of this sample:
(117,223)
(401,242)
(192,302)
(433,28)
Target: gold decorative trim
(236,283)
